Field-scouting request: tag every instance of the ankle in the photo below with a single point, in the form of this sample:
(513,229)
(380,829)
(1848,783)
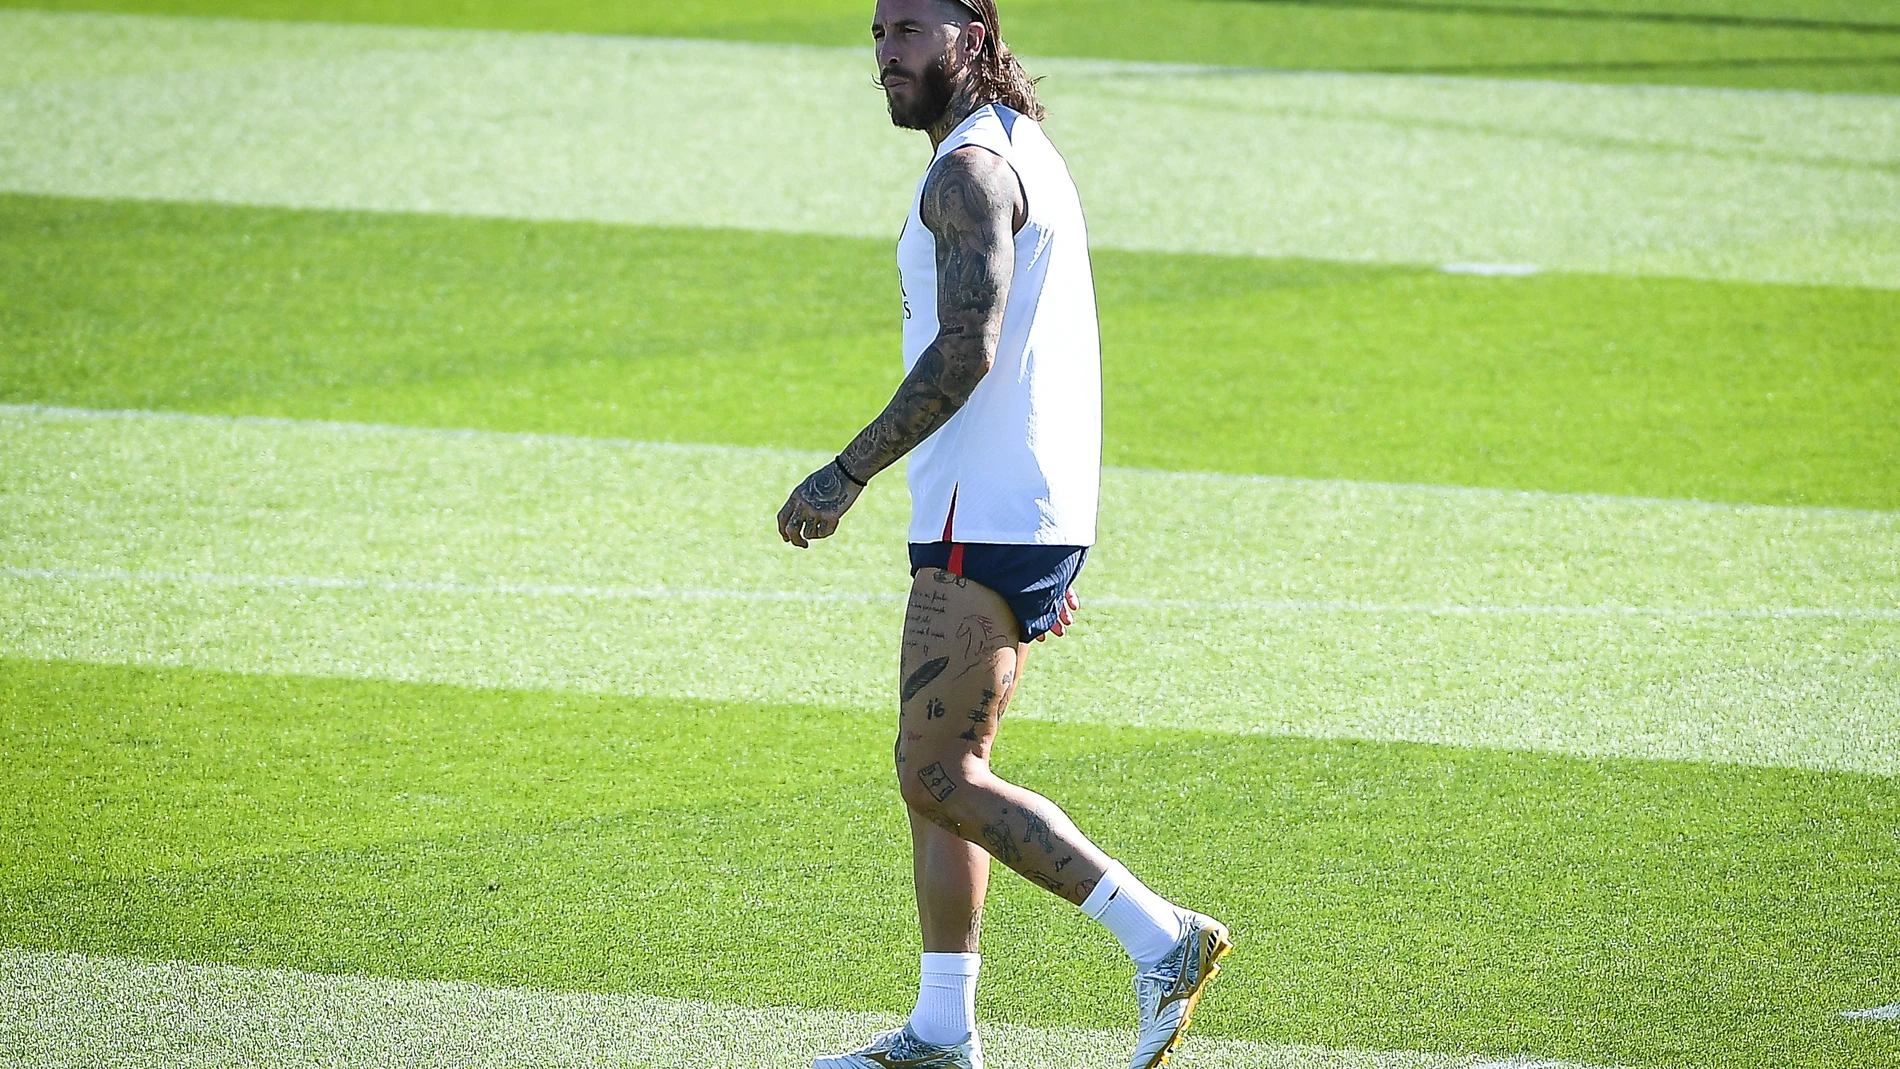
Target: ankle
(1147,925)
(946,999)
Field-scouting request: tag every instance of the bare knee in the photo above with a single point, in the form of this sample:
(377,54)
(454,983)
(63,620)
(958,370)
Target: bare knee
(925,781)
(936,786)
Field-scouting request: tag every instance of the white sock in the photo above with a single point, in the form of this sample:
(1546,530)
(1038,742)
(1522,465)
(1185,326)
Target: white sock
(1147,924)
(946,999)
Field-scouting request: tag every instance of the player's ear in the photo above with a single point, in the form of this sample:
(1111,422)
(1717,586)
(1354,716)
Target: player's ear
(974,34)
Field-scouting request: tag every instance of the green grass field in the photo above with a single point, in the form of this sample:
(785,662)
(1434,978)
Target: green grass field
(1497,615)
(1654,387)
(1825,45)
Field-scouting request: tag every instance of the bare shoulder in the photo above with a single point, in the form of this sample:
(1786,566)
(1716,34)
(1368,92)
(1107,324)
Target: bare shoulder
(971,189)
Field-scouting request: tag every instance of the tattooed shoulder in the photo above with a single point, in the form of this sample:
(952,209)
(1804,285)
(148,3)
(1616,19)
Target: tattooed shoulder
(972,188)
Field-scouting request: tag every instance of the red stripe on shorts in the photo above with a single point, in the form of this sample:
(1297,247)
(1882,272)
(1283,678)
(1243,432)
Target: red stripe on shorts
(955,565)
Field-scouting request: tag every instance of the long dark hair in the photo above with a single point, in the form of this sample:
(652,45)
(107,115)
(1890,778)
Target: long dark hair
(999,78)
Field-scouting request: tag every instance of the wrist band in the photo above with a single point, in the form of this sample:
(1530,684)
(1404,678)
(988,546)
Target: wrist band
(838,462)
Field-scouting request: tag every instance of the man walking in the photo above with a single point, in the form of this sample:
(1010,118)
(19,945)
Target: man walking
(1000,413)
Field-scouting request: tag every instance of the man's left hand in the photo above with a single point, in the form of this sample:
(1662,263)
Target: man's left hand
(814,509)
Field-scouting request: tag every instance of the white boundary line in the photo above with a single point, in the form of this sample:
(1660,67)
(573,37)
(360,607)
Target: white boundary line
(638,593)
(1491,270)
(65,412)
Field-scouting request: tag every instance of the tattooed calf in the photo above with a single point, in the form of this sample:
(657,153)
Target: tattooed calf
(933,709)
(921,678)
(937,781)
(1047,881)
(1002,842)
(1037,831)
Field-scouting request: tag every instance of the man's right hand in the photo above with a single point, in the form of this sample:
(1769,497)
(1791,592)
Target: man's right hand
(1065,615)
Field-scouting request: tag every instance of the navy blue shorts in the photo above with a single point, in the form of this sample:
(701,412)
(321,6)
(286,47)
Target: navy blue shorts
(1033,579)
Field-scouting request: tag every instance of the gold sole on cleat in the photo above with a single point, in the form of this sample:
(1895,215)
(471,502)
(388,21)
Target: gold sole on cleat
(1222,947)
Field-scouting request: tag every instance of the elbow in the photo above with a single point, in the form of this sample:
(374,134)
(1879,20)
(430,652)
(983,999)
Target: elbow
(971,369)
(980,367)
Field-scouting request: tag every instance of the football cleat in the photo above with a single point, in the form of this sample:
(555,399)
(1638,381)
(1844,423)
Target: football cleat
(1167,992)
(901,1049)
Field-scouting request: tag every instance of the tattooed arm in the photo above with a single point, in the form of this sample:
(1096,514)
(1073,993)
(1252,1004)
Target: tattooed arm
(973,205)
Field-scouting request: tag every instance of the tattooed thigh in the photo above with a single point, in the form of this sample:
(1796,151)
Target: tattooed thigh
(958,670)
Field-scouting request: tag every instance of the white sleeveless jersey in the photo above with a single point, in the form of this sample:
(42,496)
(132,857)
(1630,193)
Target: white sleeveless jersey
(1020,463)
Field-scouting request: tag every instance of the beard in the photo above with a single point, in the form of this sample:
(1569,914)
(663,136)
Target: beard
(932,97)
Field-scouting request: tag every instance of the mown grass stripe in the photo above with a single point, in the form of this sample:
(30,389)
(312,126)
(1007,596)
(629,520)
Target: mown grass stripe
(53,412)
(85,1012)
(1624,180)
(1661,387)
(630,593)
(1759,51)
(1387,896)
(1583,12)
(1193,613)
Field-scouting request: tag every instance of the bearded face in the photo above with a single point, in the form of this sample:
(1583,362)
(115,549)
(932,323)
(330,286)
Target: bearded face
(918,98)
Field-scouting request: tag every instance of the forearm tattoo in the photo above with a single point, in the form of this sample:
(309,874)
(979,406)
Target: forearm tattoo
(969,204)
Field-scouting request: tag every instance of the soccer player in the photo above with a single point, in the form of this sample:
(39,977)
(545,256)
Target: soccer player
(1000,413)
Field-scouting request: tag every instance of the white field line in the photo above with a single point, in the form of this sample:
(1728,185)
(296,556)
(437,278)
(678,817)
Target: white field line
(69,412)
(1494,270)
(1630,180)
(637,593)
(67,1011)
(1878,1013)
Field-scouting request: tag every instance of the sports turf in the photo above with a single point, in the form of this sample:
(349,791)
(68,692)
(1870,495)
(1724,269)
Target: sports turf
(1389,895)
(82,1011)
(1478,774)
(1665,388)
(1639,180)
(1598,627)
(1795,44)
